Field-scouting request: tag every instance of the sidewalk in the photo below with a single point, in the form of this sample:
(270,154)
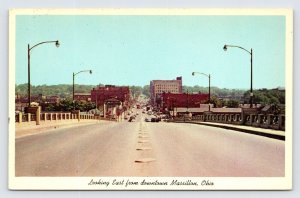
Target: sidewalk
(276,134)
(26,129)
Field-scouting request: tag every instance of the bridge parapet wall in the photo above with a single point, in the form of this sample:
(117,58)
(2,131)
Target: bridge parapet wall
(268,121)
(53,116)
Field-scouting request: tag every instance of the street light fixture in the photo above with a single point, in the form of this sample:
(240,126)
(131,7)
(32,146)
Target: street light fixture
(208,76)
(251,72)
(57,44)
(74,74)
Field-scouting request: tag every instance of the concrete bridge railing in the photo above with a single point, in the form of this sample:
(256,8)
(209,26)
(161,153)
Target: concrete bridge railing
(269,121)
(46,117)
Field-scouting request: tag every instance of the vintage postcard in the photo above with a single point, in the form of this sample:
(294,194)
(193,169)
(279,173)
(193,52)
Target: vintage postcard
(150,99)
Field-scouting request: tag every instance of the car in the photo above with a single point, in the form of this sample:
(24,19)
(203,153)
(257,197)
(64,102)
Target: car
(147,120)
(131,119)
(155,119)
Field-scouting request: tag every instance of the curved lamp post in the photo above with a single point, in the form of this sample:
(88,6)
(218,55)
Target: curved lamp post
(74,74)
(208,76)
(251,73)
(28,55)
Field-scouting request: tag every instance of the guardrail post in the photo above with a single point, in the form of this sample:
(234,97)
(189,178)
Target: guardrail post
(281,121)
(269,120)
(236,117)
(29,117)
(20,117)
(259,119)
(251,118)
(38,115)
(226,118)
(231,117)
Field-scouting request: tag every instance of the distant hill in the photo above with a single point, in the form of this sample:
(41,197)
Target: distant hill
(265,96)
(65,90)
(62,90)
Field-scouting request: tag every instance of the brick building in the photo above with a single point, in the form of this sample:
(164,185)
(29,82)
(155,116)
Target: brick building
(169,101)
(167,86)
(101,94)
(22,101)
(82,97)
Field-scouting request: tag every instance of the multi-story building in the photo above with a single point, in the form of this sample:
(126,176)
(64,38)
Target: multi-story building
(101,94)
(164,86)
(169,101)
(112,101)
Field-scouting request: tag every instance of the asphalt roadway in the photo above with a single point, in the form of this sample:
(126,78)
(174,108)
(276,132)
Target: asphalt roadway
(148,149)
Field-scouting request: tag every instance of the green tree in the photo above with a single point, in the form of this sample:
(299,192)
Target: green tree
(216,101)
(146,90)
(65,105)
(50,107)
(232,103)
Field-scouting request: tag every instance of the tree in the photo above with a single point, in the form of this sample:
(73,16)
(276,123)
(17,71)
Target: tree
(266,97)
(50,107)
(65,105)
(146,90)
(216,101)
(232,104)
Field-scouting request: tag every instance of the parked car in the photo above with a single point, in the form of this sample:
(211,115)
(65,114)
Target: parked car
(131,119)
(155,119)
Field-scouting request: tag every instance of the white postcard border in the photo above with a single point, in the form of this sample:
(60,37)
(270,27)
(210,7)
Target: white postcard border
(219,183)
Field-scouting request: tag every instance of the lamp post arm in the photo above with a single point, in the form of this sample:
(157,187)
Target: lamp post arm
(42,43)
(208,76)
(238,47)
(74,74)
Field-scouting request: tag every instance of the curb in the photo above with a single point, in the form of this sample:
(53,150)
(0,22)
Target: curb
(269,135)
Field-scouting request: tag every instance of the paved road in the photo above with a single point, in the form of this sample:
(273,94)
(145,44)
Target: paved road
(148,149)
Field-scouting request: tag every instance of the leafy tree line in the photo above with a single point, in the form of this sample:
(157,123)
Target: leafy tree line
(68,105)
(62,90)
(261,96)
(267,96)
(66,91)
(235,96)
(215,91)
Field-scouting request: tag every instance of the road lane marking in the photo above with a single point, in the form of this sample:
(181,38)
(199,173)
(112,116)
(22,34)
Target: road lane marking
(143,133)
(143,136)
(144,148)
(144,160)
(143,141)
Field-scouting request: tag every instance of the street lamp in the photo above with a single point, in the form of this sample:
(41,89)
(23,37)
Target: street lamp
(251,73)
(74,74)
(28,56)
(208,76)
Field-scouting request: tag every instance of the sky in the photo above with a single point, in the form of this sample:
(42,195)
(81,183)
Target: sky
(133,50)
